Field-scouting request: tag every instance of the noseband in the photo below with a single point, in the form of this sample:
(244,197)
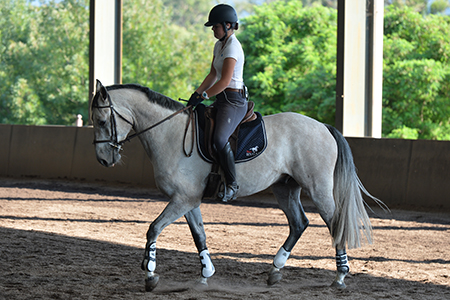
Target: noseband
(113,141)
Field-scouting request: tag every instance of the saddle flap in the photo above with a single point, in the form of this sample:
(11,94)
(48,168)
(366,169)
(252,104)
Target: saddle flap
(248,141)
(210,116)
(250,115)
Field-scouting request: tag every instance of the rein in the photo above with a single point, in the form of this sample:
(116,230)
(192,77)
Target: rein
(113,142)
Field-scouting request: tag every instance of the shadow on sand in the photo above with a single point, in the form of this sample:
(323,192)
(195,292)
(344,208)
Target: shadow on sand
(37,265)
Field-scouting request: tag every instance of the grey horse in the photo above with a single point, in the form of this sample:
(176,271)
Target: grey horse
(302,153)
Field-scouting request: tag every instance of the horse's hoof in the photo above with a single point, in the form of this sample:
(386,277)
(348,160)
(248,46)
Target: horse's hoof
(151,283)
(274,277)
(338,285)
(201,284)
(203,281)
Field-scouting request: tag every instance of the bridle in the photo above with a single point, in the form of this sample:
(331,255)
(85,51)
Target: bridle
(116,144)
(113,140)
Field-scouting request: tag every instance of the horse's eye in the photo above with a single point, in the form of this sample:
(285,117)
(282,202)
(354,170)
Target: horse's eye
(101,123)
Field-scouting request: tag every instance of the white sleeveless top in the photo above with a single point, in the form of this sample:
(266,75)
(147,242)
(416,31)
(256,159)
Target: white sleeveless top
(234,50)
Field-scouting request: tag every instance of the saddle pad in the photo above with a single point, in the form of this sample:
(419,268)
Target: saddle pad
(251,142)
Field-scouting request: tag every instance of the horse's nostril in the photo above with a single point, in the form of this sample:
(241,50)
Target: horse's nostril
(103,162)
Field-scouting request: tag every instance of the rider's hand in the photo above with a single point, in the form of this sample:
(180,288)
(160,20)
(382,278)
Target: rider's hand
(195,99)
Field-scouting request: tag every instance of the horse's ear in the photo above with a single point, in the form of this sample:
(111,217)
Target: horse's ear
(101,89)
(98,86)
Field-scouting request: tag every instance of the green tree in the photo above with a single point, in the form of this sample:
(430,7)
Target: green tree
(44,61)
(416,85)
(44,55)
(188,13)
(161,54)
(416,5)
(423,7)
(439,6)
(18,101)
(247,7)
(63,53)
(291,59)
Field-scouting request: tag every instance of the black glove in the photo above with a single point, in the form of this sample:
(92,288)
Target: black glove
(195,99)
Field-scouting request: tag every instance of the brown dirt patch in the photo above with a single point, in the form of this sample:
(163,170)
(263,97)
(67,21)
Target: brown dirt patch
(72,240)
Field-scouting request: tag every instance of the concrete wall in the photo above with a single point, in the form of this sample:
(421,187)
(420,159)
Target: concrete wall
(403,173)
(67,153)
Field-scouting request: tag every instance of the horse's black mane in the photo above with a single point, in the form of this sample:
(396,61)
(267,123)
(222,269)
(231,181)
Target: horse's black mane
(152,96)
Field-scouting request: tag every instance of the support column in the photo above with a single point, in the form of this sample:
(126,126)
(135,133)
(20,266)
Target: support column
(359,69)
(376,80)
(105,43)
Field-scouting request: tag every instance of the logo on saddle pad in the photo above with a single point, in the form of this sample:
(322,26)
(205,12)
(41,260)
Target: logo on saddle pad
(252,151)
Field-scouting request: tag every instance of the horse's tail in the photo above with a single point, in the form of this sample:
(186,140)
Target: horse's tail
(350,216)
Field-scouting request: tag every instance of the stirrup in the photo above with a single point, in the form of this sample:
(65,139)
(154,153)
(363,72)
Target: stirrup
(228,192)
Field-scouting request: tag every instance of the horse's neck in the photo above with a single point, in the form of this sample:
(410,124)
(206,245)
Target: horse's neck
(163,139)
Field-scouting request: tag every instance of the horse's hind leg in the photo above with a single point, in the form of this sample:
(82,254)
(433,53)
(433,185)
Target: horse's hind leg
(326,207)
(342,268)
(287,192)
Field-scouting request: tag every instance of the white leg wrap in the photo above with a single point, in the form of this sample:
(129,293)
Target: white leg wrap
(281,258)
(151,262)
(207,266)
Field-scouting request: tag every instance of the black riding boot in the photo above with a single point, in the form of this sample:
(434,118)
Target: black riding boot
(226,160)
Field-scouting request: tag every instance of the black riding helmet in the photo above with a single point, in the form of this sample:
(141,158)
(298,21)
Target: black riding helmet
(223,14)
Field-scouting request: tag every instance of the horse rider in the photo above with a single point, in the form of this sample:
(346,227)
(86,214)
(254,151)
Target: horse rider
(225,81)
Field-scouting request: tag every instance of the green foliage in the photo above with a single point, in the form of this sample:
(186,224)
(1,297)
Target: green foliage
(419,6)
(189,13)
(44,61)
(44,55)
(416,85)
(18,103)
(291,58)
(245,7)
(439,6)
(423,7)
(404,133)
(290,49)
(161,54)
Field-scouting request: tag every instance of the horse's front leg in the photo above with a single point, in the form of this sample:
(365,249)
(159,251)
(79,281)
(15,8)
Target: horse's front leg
(173,211)
(195,222)
(342,267)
